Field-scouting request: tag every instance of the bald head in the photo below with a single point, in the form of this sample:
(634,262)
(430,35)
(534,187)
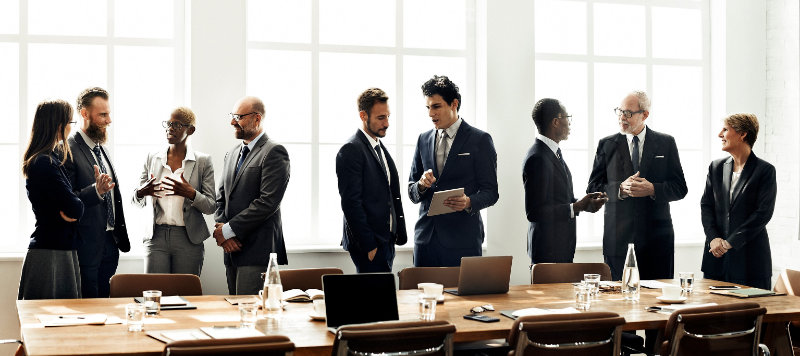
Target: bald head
(250,111)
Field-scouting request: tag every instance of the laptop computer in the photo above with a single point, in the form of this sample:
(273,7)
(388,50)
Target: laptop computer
(483,275)
(359,298)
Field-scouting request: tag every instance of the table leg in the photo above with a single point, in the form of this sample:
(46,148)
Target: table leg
(776,337)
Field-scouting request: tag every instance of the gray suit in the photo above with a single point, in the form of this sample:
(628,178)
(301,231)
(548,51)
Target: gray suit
(180,254)
(250,203)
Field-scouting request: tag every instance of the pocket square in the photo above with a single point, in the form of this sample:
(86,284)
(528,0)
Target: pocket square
(659,157)
(464,154)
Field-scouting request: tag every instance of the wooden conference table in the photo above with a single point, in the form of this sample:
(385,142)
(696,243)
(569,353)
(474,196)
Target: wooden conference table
(313,338)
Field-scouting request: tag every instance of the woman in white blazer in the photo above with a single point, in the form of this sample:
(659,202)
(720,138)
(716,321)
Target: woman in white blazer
(180,184)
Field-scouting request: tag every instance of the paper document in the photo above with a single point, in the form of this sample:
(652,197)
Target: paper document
(230,332)
(72,319)
(669,309)
(437,202)
(542,311)
(653,284)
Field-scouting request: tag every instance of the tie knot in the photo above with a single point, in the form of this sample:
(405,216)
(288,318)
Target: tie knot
(245,150)
(96,150)
(444,134)
(636,139)
(558,152)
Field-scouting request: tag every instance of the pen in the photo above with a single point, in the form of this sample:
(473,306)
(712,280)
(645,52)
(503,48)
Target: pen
(70,317)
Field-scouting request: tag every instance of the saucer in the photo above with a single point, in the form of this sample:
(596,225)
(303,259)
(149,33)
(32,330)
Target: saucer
(439,300)
(315,316)
(664,299)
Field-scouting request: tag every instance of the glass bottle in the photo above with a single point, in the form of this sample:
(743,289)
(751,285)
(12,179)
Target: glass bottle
(272,294)
(630,276)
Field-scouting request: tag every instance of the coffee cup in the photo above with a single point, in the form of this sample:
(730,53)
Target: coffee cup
(431,290)
(671,292)
(319,307)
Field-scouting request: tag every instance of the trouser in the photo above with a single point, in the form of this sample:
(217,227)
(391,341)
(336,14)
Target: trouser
(244,280)
(384,258)
(98,261)
(434,254)
(171,251)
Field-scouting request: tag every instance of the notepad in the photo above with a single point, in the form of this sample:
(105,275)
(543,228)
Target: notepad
(746,292)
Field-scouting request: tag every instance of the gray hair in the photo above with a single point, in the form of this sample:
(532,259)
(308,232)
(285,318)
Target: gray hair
(644,100)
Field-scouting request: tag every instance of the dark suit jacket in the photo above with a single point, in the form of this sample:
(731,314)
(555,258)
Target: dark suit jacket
(644,221)
(366,195)
(742,221)
(50,192)
(471,164)
(250,202)
(92,227)
(548,194)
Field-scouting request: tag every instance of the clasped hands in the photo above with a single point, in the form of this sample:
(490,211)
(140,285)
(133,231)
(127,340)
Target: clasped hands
(636,186)
(456,203)
(592,202)
(172,186)
(230,245)
(718,247)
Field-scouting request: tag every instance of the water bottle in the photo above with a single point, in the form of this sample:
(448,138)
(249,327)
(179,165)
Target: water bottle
(630,276)
(272,295)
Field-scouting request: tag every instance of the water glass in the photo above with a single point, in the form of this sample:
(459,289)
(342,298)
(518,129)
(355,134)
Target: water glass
(247,314)
(152,302)
(427,309)
(583,296)
(593,280)
(134,316)
(687,282)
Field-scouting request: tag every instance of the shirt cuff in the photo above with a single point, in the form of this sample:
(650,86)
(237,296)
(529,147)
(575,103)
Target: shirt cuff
(571,211)
(97,191)
(227,231)
(726,244)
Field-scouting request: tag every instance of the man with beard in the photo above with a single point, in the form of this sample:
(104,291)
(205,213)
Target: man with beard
(254,179)
(370,189)
(101,230)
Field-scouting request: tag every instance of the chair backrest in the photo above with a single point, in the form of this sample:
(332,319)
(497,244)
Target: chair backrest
(273,345)
(788,282)
(305,278)
(446,276)
(728,329)
(132,285)
(394,338)
(567,334)
(567,272)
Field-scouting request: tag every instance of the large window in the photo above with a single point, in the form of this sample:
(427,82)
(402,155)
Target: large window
(55,49)
(309,60)
(590,53)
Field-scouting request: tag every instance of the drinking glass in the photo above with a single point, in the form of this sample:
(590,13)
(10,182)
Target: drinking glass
(593,280)
(247,314)
(687,282)
(152,302)
(134,316)
(583,296)
(427,308)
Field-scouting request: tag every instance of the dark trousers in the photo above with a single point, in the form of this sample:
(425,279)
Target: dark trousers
(384,258)
(98,261)
(433,254)
(244,280)
(649,270)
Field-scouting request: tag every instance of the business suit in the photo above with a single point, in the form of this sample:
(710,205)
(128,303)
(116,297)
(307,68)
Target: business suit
(644,221)
(548,196)
(367,203)
(98,252)
(740,220)
(471,164)
(250,203)
(163,257)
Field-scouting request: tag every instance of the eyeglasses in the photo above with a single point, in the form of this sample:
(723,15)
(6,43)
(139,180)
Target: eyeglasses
(568,117)
(627,113)
(238,117)
(174,124)
(482,308)
(72,122)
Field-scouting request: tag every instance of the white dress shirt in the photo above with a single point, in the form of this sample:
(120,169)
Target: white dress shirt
(91,143)
(553,145)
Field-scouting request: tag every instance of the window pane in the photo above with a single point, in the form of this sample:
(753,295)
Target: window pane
(11,158)
(296,204)
(357,22)
(78,67)
(128,161)
(619,30)
(565,81)
(560,26)
(9,92)
(670,41)
(439,30)
(330,203)
(410,209)
(416,71)
(144,93)
(612,82)
(9,17)
(283,80)
(677,104)
(686,212)
(144,18)
(279,21)
(342,77)
(67,17)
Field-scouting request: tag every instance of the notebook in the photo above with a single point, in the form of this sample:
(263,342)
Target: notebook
(359,298)
(483,275)
(746,292)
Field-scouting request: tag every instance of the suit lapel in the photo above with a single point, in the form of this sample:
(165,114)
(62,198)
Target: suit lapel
(727,170)
(84,148)
(462,135)
(432,155)
(254,152)
(624,156)
(368,146)
(188,169)
(648,152)
(563,170)
(747,172)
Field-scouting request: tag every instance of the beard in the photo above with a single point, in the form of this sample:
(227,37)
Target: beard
(96,133)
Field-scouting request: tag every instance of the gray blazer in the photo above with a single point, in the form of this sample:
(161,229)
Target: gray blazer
(250,202)
(199,172)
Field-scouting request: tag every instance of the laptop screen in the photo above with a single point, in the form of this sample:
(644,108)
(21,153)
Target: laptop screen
(359,298)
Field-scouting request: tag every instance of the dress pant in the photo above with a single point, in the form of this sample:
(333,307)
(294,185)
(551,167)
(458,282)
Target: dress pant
(98,261)
(244,280)
(171,251)
(433,254)
(384,258)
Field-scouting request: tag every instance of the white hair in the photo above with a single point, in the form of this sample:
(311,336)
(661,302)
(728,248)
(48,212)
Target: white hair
(644,100)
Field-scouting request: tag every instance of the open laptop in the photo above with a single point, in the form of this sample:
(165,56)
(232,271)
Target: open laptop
(359,298)
(483,275)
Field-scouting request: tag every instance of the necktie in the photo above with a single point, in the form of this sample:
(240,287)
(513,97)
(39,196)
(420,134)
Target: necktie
(107,196)
(441,152)
(245,151)
(635,154)
(392,217)
(561,159)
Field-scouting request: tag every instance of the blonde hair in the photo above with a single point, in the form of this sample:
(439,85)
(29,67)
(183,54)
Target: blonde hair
(184,115)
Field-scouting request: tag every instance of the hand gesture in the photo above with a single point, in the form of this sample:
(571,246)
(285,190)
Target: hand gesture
(231,245)
(103,181)
(596,201)
(717,248)
(218,234)
(150,187)
(179,187)
(458,203)
(427,179)
(66,218)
